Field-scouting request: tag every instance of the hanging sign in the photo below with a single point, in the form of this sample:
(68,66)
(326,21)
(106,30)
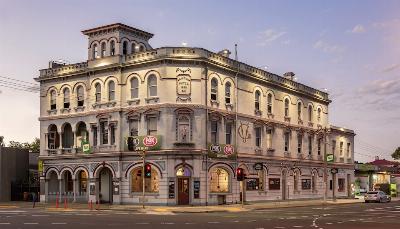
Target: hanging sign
(221,151)
(258,166)
(330,158)
(144,143)
(85,146)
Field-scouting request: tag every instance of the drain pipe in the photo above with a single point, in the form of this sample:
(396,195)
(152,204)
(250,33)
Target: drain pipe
(206,129)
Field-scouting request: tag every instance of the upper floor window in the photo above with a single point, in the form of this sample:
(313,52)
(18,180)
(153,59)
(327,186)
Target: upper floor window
(214,89)
(269,103)
(152,85)
(103,131)
(183,128)
(134,88)
(112,48)
(53,100)
(133,48)
(152,125)
(124,48)
(228,132)
(319,114)
(310,144)
(98,92)
(141,48)
(333,146)
(286,107)
(257,100)
(66,98)
(348,150)
(80,96)
(214,132)
(103,49)
(299,143)
(269,138)
(310,111)
(111,91)
(228,93)
(258,136)
(319,145)
(95,51)
(299,109)
(287,141)
(134,127)
(341,149)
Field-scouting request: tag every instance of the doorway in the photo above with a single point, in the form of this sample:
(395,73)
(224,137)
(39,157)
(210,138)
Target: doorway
(183,191)
(283,184)
(105,189)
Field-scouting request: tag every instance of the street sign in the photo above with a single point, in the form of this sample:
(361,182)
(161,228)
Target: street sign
(40,166)
(85,146)
(221,151)
(330,158)
(143,143)
(334,170)
(258,166)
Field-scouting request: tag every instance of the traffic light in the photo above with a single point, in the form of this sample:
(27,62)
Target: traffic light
(239,174)
(147,171)
(131,143)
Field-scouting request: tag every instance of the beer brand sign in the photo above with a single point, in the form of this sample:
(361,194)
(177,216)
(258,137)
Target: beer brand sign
(221,151)
(144,143)
(183,84)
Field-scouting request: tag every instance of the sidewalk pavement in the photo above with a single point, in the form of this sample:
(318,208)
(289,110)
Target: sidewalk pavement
(183,209)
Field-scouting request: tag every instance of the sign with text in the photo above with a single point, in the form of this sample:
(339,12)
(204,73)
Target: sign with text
(145,143)
(183,85)
(85,146)
(40,166)
(258,166)
(330,158)
(221,151)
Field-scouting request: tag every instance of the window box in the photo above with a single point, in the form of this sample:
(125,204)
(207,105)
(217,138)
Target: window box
(52,112)
(287,119)
(257,112)
(300,122)
(258,151)
(110,104)
(270,115)
(229,106)
(286,154)
(310,124)
(153,99)
(65,110)
(133,101)
(79,108)
(214,102)
(270,152)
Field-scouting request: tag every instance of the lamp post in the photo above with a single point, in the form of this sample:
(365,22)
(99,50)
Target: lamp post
(143,177)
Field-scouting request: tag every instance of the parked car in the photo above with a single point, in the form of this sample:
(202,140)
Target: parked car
(376,196)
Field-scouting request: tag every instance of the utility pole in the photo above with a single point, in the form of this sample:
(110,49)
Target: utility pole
(143,176)
(325,165)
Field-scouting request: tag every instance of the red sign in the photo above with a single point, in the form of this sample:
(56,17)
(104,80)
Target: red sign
(149,141)
(228,150)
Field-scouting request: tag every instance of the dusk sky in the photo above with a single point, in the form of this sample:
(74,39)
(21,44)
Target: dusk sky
(352,48)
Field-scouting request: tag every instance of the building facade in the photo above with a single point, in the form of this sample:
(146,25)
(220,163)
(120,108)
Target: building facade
(196,115)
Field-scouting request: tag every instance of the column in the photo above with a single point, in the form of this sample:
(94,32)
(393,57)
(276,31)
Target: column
(74,189)
(59,143)
(44,189)
(74,146)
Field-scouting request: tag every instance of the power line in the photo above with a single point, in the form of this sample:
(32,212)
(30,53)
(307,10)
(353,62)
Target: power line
(26,82)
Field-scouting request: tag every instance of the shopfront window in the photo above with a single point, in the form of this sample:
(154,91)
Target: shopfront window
(341,182)
(274,183)
(306,184)
(219,182)
(151,183)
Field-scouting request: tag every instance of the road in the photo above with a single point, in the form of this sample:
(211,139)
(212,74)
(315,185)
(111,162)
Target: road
(359,215)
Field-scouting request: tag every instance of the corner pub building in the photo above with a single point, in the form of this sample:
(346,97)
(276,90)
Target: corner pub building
(208,115)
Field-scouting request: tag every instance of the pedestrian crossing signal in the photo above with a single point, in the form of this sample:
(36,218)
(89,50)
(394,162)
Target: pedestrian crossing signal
(147,171)
(239,174)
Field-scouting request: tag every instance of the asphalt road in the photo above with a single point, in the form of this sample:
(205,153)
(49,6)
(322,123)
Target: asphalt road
(360,215)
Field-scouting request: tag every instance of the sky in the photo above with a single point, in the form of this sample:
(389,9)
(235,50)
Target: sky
(349,47)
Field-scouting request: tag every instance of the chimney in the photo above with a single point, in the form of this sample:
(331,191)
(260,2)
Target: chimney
(225,53)
(376,158)
(289,75)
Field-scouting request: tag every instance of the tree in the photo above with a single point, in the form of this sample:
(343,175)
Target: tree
(1,141)
(32,147)
(396,154)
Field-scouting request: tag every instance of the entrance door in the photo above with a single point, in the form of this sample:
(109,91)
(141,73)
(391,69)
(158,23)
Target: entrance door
(105,186)
(284,192)
(183,191)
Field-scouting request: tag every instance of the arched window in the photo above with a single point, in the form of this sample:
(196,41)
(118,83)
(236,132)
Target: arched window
(98,92)
(66,97)
(53,138)
(152,85)
(296,180)
(82,186)
(269,103)
(134,88)
(299,109)
(67,136)
(286,107)
(103,49)
(184,128)
(82,134)
(151,184)
(228,93)
(95,51)
(257,100)
(313,181)
(133,48)
(111,91)
(319,114)
(68,183)
(214,89)
(183,172)
(142,48)
(112,48)
(53,100)
(124,48)
(310,111)
(219,182)
(80,96)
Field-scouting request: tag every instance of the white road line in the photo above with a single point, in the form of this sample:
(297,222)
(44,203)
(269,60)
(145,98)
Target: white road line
(168,223)
(213,222)
(40,215)
(4,223)
(31,223)
(190,223)
(122,213)
(58,223)
(298,226)
(329,223)
(236,221)
(142,223)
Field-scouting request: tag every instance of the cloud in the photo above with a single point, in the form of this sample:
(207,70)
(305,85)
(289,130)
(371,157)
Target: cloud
(386,24)
(270,35)
(358,29)
(391,68)
(327,47)
(381,87)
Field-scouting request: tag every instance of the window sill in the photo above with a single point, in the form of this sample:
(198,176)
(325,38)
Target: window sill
(286,119)
(107,104)
(257,112)
(300,122)
(154,99)
(286,154)
(300,156)
(52,112)
(214,102)
(310,124)
(189,144)
(229,106)
(65,110)
(270,115)
(80,108)
(258,151)
(133,101)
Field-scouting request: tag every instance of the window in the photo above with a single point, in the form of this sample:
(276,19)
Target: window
(183,128)
(257,100)
(81,135)
(269,103)
(152,85)
(82,178)
(103,49)
(219,182)
(134,88)
(98,92)
(341,149)
(330,184)
(95,51)
(214,89)
(111,91)
(319,114)
(274,183)
(133,48)
(286,107)
(53,100)
(287,137)
(313,181)
(95,135)
(133,127)
(252,184)
(67,136)
(53,139)
(306,184)
(310,145)
(142,48)
(112,134)
(269,138)
(319,145)
(112,48)
(214,132)
(299,111)
(341,182)
(299,143)
(310,113)
(348,150)
(152,125)
(66,98)
(151,184)
(80,96)
(103,131)
(258,136)
(228,132)
(333,146)
(227,93)
(296,181)
(124,48)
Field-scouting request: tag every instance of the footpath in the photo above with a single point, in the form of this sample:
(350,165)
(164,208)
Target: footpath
(181,209)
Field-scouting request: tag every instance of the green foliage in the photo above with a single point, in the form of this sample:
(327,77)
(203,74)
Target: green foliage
(396,154)
(32,147)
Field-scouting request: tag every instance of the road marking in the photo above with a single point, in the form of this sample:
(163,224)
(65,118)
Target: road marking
(58,223)
(4,223)
(190,223)
(31,223)
(298,226)
(213,222)
(39,215)
(329,223)
(82,214)
(142,223)
(122,213)
(168,223)
(236,221)
(12,211)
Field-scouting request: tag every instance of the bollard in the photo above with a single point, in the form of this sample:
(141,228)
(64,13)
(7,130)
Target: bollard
(57,200)
(65,203)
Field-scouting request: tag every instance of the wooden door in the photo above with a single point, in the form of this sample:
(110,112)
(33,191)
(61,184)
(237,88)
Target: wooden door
(183,191)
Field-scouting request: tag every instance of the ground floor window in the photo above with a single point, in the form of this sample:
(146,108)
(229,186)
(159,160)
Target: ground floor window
(219,180)
(274,183)
(151,184)
(341,182)
(252,184)
(82,182)
(306,184)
